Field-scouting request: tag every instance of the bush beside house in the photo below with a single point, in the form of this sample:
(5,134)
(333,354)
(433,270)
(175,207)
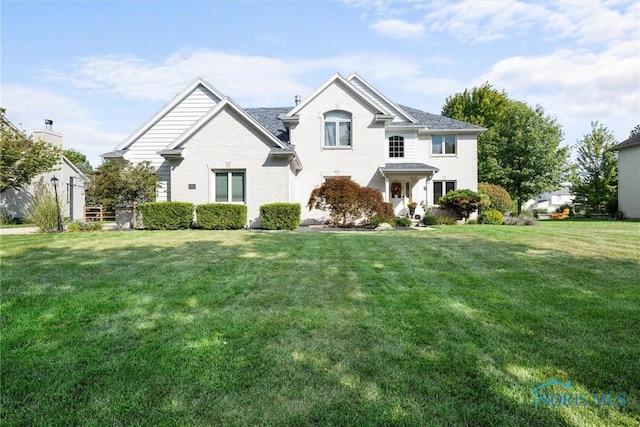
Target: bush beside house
(491,217)
(498,196)
(167,215)
(280,216)
(221,216)
(463,202)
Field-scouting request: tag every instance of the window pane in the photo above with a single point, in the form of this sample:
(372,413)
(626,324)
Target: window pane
(237,187)
(436,144)
(330,134)
(345,133)
(450,186)
(396,146)
(450,144)
(437,191)
(222,187)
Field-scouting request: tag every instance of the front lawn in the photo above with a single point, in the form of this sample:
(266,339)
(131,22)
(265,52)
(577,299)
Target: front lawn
(454,326)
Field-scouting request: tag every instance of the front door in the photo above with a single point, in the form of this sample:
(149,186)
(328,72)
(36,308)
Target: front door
(397,194)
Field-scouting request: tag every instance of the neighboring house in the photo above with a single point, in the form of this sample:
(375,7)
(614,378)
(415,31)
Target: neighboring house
(551,200)
(70,185)
(208,149)
(629,176)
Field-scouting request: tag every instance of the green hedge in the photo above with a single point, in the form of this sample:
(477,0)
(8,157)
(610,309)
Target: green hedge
(221,216)
(280,216)
(167,215)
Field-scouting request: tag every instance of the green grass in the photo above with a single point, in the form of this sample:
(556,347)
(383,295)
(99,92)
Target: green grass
(448,327)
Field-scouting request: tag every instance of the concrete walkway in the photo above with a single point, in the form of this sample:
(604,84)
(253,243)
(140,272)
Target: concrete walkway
(18,230)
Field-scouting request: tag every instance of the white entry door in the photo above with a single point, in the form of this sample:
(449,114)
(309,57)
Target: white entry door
(398,191)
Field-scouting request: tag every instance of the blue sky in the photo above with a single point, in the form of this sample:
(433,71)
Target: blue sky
(99,69)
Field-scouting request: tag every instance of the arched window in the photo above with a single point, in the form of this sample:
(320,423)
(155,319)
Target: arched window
(337,129)
(396,146)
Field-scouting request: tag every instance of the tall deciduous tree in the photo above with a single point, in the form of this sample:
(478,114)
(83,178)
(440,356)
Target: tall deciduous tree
(482,106)
(596,176)
(78,159)
(22,158)
(521,150)
(528,156)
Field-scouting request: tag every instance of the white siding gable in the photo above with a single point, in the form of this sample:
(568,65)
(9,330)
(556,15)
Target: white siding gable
(171,126)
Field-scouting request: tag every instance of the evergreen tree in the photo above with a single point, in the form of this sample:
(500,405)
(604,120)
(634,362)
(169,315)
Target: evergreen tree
(596,177)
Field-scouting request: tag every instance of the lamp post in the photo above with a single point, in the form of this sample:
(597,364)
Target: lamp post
(54,181)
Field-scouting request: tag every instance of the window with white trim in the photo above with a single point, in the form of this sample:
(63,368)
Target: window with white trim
(230,187)
(440,188)
(337,129)
(443,144)
(396,146)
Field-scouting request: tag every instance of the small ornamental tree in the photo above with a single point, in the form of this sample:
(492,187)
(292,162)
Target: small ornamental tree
(498,196)
(346,201)
(463,202)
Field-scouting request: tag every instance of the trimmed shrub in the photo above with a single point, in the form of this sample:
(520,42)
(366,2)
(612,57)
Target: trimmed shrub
(429,220)
(471,222)
(498,196)
(221,216)
(402,222)
(280,216)
(167,215)
(347,202)
(491,217)
(43,210)
(463,202)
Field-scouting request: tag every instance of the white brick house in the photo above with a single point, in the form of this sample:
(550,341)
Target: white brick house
(208,149)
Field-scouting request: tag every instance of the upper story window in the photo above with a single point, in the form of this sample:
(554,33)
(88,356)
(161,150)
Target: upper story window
(443,144)
(396,146)
(337,129)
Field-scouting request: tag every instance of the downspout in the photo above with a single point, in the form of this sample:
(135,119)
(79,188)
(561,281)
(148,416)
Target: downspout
(209,172)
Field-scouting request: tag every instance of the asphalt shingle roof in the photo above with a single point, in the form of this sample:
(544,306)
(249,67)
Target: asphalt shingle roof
(268,117)
(435,121)
(630,142)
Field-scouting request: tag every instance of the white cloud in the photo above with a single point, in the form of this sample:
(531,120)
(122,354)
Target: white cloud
(474,21)
(593,22)
(255,79)
(28,107)
(481,21)
(577,86)
(398,29)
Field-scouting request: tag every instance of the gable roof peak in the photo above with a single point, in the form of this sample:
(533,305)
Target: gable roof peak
(168,107)
(337,77)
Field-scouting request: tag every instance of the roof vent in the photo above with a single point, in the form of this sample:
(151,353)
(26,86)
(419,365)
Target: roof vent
(48,124)
(297,99)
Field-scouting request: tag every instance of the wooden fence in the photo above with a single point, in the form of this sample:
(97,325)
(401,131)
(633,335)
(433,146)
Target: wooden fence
(98,213)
